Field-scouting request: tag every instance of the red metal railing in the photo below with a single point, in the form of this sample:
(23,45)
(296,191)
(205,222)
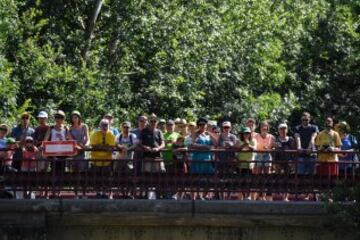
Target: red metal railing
(217,178)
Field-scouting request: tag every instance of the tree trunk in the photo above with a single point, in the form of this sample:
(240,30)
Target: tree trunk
(91,27)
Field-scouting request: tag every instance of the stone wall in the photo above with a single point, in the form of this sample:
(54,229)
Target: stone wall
(170,220)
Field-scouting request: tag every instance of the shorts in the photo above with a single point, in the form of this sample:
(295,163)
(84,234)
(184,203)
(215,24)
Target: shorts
(263,160)
(327,169)
(306,165)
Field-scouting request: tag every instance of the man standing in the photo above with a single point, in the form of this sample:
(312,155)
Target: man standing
(152,142)
(41,130)
(305,135)
(19,133)
(328,141)
(102,139)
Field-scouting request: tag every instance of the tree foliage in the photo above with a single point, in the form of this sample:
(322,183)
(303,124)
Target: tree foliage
(262,58)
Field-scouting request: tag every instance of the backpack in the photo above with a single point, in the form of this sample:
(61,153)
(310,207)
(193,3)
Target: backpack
(52,127)
(131,139)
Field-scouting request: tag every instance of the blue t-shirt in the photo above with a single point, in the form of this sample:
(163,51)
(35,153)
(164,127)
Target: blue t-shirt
(348,142)
(3,143)
(114,131)
(20,134)
(197,166)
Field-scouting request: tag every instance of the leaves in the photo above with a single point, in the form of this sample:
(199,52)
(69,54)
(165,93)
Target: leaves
(263,58)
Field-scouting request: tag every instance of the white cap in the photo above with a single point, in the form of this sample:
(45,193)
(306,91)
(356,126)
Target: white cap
(43,114)
(212,123)
(226,124)
(282,125)
(29,138)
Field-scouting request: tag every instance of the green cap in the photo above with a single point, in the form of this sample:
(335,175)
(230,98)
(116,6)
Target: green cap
(10,141)
(245,130)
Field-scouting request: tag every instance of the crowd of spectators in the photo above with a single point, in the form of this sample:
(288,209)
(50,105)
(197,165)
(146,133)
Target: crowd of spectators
(160,145)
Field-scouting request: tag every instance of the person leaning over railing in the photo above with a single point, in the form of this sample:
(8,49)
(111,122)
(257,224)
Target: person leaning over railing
(305,135)
(170,138)
(79,132)
(265,142)
(19,133)
(226,140)
(39,137)
(138,154)
(245,144)
(126,141)
(152,142)
(6,156)
(102,141)
(328,141)
(202,140)
(283,143)
(29,163)
(58,132)
(349,144)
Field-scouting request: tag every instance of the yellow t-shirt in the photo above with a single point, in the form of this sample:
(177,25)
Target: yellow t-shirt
(331,139)
(246,156)
(99,137)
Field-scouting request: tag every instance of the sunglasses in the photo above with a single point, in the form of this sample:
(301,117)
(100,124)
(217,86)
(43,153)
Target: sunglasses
(226,127)
(59,117)
(29,141)
(153,121)
(126,127)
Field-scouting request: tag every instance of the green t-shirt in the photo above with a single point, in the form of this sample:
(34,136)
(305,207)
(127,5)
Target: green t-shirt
(246,156)
(170,139)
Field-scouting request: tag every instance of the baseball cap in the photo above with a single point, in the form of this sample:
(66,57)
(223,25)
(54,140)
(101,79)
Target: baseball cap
(226,124)
(10,141)
(212,123)
(162,121)
(60,113)
(28,139)
(43,114)
(282,125)
(245,130)
(126,124)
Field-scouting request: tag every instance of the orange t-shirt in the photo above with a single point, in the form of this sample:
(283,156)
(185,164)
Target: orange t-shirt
(264,143)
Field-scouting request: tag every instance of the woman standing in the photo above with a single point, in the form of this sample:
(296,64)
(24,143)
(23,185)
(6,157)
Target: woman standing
(58,132)
(79,132)
(349,144)
(246,144)
(265,142)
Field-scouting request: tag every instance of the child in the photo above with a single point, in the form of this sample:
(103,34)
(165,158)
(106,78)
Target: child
(29,163)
